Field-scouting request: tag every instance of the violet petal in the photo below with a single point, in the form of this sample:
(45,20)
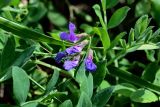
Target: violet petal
(72,27)
(68,65)
(64,36)
(60,56)
(90,66)
(73,38)
(73,50)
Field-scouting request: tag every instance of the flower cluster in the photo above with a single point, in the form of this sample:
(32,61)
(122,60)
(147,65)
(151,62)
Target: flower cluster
(71,55)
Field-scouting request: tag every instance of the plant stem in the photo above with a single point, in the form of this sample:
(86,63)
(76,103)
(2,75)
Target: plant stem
(36,83)
(52,67)
(119,55)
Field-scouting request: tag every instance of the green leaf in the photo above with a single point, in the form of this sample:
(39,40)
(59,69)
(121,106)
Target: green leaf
(102,97)
(157,78)
(97,10)
(30,104)
(148,47)
(131,37)
(118,17)
(143,96)
(155,34)
(14,2)
(67,103)
(87,28)
(150,55)
(24,32)
(103,36)
(52,82)
(36,12)
(142,7)
(100,73)
(4,3)
(19,61)
(117,38)
(123,43)
(80,75)
(21,84)
(57,19)
(84,101)
(8,54)
(111,3)
(87,85)
(155,4)
(133,79)
(141,25)
(150,71)
(124,89)
(24,56)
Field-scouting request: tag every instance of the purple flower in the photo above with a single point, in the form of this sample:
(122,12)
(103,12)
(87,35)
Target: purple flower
(68,65)
(60,56)
(71,36)
(90,66)
(76,49)
(72,27)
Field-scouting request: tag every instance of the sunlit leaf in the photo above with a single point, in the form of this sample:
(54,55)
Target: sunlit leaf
(118,16)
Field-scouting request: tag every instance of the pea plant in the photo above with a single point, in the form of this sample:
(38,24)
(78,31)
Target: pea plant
(72,66)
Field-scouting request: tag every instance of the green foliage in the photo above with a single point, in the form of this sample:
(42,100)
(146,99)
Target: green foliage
(102,97)
(118,17)
(143,96)
(126,54)
(52,82)
(21,84)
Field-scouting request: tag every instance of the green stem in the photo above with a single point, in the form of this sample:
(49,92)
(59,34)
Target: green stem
(119,55)
(52,67)
(36,83)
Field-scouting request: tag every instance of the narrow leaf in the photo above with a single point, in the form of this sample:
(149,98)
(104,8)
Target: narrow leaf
(24,32)
(97,10)
(8,53)
(24,56)
(52,82)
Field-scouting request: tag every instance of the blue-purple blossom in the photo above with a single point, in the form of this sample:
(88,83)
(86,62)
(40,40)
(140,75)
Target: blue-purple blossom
(76,49)
(72,27)
(90,66)
(60,56)
(68,65)
(71,36)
